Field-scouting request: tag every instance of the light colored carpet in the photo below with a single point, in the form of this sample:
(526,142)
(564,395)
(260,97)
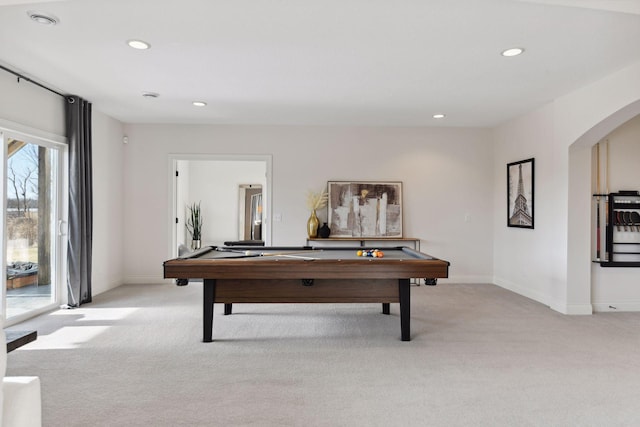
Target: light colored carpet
(479,356)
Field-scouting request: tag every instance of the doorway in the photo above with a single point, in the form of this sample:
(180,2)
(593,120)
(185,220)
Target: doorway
(32,220)
(216,182)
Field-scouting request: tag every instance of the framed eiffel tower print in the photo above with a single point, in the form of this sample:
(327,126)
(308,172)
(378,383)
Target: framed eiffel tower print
(520,185)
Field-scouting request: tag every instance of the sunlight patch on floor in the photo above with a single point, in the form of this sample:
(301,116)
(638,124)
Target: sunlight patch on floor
(76,332)
(95,314)
(67,337)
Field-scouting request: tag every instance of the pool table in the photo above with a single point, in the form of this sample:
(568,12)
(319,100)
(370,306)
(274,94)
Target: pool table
(307,274)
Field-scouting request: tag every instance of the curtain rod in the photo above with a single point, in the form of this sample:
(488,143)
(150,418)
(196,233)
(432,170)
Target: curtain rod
(20,76)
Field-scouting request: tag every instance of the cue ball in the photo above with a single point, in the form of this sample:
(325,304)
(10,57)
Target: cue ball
(247,252)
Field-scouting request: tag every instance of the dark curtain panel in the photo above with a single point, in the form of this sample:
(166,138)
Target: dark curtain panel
(78,115)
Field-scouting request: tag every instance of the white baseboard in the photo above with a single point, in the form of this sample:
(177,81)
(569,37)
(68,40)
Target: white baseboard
(603,307)
(560,307)
(142,280)
(467,279)
(520,290)
(572,309)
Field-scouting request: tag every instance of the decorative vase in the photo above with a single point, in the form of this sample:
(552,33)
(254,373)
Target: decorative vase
(324,231)
(312,225)
(195,244)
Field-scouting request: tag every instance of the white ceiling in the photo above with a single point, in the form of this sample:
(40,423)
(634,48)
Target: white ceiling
(323,62)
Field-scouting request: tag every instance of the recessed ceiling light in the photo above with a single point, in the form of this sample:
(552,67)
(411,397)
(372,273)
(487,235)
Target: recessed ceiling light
(199,103)
(138,44)
(43,18)
(515,51)
(150,94)
(439,116)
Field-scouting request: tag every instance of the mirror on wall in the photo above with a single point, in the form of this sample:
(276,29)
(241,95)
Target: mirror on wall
(251,219)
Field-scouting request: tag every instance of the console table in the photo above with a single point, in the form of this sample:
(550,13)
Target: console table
(362,241)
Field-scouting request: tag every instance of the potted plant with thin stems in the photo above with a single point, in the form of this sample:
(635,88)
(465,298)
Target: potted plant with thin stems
(194,225)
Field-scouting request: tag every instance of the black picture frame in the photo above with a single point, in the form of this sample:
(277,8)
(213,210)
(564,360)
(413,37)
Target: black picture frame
(520,193)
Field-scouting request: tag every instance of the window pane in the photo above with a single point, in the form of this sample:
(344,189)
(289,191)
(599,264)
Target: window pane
(31,196)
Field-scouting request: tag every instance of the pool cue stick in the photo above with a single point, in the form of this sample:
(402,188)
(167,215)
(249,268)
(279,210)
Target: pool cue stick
(606,181)
(288,253)
(598,201)
(247,253)
(235,251)
(298,257)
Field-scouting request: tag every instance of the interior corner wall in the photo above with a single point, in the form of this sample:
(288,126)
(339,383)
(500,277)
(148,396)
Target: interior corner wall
(446,174)
(524,261)
(109,210)
(581,117)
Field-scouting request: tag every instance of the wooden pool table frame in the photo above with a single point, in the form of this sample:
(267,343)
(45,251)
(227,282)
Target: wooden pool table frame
(273,279)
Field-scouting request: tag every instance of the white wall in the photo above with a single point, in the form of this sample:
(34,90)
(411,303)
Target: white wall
(108,207)
(29,105)
(624,155)
(446,174)
(524,260)
(552,263)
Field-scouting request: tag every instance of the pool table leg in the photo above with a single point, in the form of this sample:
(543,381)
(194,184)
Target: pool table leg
(385,308)
(227,309)
(405,309)
(208,297)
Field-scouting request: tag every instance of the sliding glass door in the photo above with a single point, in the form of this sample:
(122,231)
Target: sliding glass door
(33,226)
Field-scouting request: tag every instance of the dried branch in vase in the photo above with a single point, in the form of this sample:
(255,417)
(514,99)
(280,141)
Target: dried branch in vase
(317,200)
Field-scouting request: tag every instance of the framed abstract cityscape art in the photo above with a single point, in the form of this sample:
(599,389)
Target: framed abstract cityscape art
(365,209)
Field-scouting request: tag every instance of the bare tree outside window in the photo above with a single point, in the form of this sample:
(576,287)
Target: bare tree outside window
(22,178)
